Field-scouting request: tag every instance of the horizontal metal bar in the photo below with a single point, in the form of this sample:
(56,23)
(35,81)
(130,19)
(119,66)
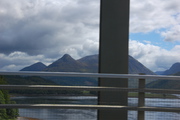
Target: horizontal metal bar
(90,88)
(102,75)
(72,106)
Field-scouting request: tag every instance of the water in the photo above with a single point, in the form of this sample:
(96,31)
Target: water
(79,114)
(156,102)
(58,114)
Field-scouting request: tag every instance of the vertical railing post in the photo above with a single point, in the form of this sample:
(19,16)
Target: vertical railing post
(141,98)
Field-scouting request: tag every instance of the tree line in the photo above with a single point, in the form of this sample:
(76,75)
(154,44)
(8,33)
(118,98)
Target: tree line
(6,114)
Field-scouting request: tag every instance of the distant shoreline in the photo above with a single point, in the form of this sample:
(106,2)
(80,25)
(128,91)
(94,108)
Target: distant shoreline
(27,118)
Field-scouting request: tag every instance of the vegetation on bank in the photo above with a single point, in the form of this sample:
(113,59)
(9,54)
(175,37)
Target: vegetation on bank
(6,114)
(35,80)
(153,95)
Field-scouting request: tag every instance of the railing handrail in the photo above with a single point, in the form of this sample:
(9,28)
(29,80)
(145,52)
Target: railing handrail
(141,90)
(90,88)
(73,106)
(97,75)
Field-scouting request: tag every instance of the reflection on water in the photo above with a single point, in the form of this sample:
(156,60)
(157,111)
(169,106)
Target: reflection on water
(59,114)
(56,100)
(156,102)
(79,114)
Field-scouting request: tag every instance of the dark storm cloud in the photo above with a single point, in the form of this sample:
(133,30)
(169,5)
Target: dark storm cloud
(28,37)
(39,29)
(44,30)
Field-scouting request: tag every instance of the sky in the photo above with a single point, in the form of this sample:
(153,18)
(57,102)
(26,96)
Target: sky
(45,30)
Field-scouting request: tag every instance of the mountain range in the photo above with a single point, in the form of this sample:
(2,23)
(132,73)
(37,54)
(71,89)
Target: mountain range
(165,84)
(85,64)
(88,64)
(175,68)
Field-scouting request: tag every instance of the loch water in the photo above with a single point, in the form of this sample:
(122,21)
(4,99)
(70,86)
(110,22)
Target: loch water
(90,114)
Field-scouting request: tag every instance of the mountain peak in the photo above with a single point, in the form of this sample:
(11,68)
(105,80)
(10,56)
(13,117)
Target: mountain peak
(173,69)
(66,57)
(39,66)
(65,64)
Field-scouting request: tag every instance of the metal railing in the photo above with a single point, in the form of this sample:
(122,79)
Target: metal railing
(141,108)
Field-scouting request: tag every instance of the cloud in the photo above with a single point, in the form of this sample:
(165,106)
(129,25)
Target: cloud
(154,57)
(148,42)
(46,27)
(17,60)
(172,34)
(161,16)
(156,15)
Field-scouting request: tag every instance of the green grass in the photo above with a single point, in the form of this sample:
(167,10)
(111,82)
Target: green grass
(153,95)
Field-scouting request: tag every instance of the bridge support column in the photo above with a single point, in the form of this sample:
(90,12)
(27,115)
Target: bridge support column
(113,55)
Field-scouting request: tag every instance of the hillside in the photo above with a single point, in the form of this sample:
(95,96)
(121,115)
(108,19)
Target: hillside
(177,74)
(34,80)
(136,67)
(90,63)
(27,80)
(165,84)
